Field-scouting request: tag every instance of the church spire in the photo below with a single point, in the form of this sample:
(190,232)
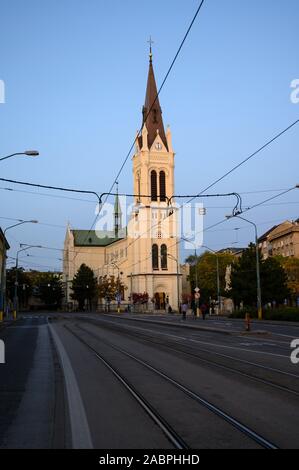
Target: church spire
(117,214)
(152,113)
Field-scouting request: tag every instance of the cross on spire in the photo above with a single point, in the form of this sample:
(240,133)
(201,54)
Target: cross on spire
(150,41)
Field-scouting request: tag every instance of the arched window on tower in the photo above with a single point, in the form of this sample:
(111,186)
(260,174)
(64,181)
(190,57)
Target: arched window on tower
(154,185)
(155,257)
(162,181)
(164,256)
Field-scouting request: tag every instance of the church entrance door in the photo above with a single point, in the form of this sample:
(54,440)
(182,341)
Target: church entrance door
(160,301)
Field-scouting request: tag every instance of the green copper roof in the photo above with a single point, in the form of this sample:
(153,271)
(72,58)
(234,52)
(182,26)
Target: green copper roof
(93,238)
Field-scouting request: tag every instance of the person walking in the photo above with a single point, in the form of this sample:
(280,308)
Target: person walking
(203,309)
(184,310)
(194,308)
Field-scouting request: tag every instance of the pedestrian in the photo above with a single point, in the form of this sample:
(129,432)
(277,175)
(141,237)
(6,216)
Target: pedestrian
(203,309)
(169,309)
(184,310)
(194,308)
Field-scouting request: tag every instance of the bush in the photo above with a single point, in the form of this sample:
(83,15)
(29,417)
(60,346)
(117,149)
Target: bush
(277,314)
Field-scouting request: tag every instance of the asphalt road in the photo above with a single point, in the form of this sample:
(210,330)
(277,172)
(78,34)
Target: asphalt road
(123,382)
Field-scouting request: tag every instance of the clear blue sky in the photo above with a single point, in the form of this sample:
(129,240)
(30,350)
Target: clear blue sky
(75,74)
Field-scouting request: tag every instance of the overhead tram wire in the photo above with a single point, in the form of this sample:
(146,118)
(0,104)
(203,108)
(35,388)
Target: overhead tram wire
(203,231)
(147,115)
(206,229)
(159,91)
(269,142)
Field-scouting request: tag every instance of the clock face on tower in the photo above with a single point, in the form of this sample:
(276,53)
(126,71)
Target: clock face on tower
(158,146)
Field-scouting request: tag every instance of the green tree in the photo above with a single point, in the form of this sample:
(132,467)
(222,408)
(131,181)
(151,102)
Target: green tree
(84,287)
(204,269)
(274,281)
(291,267)
(24,286)
(49,289)
(244,279)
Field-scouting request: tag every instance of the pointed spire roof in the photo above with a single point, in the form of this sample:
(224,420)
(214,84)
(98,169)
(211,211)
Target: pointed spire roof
(152,112)
(117,206)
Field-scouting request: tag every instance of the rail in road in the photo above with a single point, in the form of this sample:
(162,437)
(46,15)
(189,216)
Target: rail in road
(175,436)
(271,377)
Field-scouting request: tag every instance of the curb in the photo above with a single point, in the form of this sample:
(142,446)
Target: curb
(176,325)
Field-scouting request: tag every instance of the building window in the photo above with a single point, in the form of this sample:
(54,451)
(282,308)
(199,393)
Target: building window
(154,185)
(162,181)
(155,257)
(163,256)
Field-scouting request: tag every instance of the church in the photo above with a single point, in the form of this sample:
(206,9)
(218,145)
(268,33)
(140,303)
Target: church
(145,254)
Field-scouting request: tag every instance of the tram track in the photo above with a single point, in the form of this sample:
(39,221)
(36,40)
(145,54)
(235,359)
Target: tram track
(168,430)
(180,349)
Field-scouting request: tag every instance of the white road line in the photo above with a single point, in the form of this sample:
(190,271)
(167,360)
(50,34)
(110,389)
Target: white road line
(239,349)
(81,437)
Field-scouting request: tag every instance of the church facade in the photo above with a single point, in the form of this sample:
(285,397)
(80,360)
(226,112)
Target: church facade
(145,254)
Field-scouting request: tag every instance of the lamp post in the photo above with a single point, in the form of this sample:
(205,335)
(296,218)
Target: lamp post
(258,276)
(218,277)
(28,153)
(2,290)
(118,286)
(178,278)
(195,256)
(27,247)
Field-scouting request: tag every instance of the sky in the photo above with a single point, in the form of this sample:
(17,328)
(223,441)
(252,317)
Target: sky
(75,75)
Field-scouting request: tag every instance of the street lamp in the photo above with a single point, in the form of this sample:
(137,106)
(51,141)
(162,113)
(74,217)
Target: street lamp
(118,285)
(258,275)
(27,247)
(2,289)
(218,276)
(178,278)
(28,153)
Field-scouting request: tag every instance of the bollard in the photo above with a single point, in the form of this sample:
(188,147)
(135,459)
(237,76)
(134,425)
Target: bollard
(247,322)
(1,317)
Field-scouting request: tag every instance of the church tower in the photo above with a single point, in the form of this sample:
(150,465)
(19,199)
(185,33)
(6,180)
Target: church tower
(155,249)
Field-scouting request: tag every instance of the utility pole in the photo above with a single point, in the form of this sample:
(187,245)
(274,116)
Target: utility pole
(258,275)
(218,277)
(16,299)
(2,289)
(178,278)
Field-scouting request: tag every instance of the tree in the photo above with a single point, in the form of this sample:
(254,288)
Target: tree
(274,281)
(244,279)
(84,286)
(291,267)
(49,289)
(140,298)
(205,266)
(24,285)
(109,288)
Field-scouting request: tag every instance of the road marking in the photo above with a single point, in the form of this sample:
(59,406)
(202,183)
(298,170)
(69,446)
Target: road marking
(238,349)
(203,342)
(81,437)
